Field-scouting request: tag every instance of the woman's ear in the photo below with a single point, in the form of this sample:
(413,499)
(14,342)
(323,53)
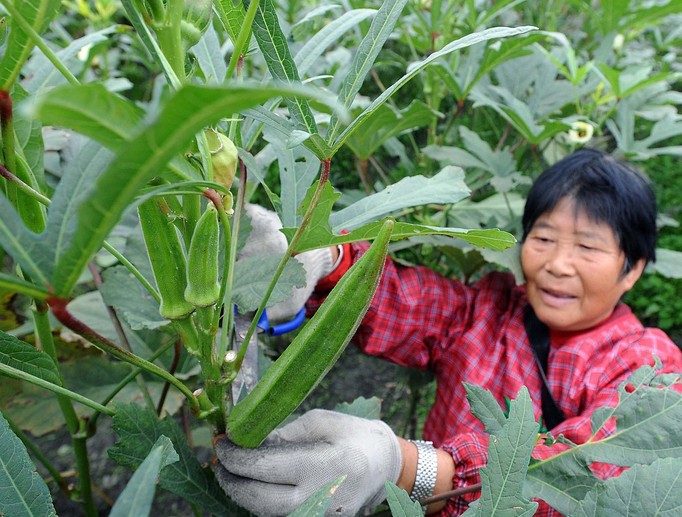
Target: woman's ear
(630,278)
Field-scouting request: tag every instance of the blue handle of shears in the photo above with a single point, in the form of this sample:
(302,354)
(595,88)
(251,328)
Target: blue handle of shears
(281,328)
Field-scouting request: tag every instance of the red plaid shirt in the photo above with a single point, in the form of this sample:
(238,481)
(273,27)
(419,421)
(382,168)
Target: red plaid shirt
(476,334)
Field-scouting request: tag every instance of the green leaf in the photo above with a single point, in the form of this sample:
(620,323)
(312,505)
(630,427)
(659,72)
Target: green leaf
(210,57)
(252,279)
(90,110)
(37,14)
(668,263)
(508,456)
(318,233)
(466,41)
(30,140)
(386,123)
(316,505)
(612,14)
(648,14)
(361,407)
(364,57)
(275,48)
(137,497)
(485,408)
(298,168)
(646,428)
(232,16)
(318,44)
(76,187)
(497,54)
(447,186)
(133,303)
(22,244)
(151,147)
(22,490)
(654,489)
(562,481)
(25,357)
(400,503)
(139,429)
(17,285)
(41,74)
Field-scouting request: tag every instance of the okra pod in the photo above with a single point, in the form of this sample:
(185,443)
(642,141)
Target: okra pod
(167,258)
(313,351)
(203,288)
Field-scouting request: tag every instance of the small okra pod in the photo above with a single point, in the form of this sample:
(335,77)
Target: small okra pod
(167,258)
(203,288)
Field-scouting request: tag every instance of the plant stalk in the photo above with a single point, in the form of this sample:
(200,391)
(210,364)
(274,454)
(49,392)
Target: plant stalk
(59,309)
(324,177)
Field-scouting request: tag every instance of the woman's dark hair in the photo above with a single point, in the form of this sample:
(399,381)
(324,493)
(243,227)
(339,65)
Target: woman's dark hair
(608,191)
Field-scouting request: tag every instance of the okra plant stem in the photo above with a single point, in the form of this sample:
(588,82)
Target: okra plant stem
(242,39)
(113,316)
(73,423)
(23,186)
(54,388)
(126,380)
(7,136)
(170,38)
(59,309)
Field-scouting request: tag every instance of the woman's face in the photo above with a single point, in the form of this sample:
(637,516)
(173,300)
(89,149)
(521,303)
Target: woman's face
(573,269)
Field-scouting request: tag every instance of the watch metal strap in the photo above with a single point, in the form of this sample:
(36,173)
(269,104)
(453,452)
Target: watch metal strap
(427,467)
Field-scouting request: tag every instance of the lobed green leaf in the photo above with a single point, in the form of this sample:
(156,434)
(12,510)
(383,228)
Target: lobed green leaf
(139,429)
(137,496)
(654,489)
(509,452)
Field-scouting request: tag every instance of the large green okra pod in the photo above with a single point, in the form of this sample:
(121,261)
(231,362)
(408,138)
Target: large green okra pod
(313,352)
(167,258)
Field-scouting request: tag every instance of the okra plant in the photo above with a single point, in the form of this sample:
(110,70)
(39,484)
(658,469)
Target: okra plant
(147,213)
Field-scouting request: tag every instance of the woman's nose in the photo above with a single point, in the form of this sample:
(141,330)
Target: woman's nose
(560,261)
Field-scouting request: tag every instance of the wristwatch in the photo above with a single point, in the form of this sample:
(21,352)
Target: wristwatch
(427,467)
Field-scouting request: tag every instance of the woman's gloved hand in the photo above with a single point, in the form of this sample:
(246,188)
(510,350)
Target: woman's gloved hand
(298,459)
(265,238)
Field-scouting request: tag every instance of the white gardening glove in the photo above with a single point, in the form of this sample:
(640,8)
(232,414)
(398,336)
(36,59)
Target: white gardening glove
(265,238)
(298,459)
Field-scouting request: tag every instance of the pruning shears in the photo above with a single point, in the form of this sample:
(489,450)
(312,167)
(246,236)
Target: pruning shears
(248,374)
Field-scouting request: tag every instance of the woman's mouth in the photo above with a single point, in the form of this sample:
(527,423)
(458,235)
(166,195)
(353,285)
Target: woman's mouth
(556,298)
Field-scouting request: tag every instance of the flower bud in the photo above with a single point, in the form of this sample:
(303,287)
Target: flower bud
(224,157)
